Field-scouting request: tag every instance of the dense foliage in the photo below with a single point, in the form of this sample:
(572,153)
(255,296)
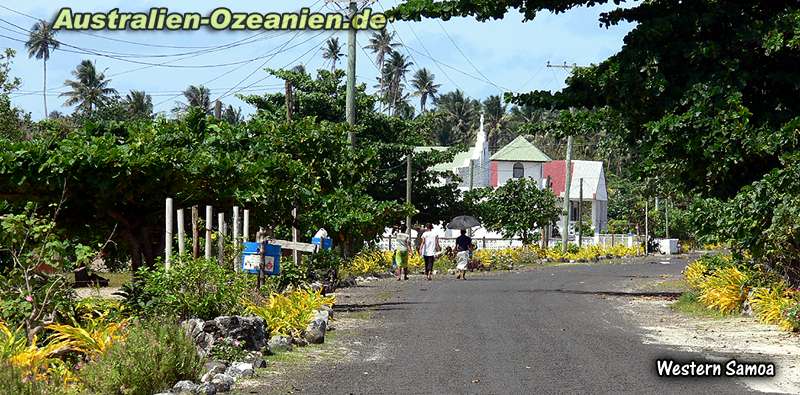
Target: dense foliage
(518,209)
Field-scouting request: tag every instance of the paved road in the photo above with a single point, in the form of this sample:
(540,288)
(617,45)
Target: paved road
(551,330)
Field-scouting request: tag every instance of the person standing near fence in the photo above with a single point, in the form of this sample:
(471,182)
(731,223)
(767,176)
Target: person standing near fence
(428,249)
(463,254)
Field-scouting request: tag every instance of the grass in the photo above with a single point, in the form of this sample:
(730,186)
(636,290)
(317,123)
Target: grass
(115,280)
(678,284)
(689,304)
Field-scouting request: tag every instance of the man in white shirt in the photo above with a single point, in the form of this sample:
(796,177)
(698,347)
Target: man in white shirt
(428,249)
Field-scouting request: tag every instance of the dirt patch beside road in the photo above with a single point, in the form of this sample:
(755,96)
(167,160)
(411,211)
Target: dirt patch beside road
(721,339)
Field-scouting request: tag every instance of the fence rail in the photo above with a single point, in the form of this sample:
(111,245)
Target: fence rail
(606,240)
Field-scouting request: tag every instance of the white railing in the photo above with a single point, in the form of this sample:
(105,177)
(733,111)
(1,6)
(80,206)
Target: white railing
(608,240)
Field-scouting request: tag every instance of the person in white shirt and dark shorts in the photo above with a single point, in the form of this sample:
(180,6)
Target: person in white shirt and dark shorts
(428,249)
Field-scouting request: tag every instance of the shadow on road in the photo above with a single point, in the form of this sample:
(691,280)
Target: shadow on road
(666,295)
(373,306)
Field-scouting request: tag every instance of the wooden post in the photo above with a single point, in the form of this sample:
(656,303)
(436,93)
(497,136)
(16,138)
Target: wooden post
(246,226)
(181,236)
(195,232)
(646,227)
(295,256)
(221,239)
(209,223)
(168,234)
(408,189)
(666,219)
(218,109)
(236,241)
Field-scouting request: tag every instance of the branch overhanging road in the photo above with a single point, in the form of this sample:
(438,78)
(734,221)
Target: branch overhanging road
(548,330)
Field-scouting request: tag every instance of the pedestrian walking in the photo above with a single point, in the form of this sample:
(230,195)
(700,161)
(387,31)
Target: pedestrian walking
(428,249)
(463,254)
(401,251)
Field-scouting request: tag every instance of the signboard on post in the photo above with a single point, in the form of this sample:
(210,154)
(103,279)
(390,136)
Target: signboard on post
(251,258)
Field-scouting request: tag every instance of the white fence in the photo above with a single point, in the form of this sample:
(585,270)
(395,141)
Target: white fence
(607,240)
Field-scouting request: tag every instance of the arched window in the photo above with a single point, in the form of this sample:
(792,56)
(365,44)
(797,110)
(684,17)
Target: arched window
(519,170)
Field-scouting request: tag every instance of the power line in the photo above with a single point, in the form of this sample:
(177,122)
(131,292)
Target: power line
(466,57)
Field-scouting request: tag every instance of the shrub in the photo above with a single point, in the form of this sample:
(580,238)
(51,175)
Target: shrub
(695,273)
(13,381)
(289,313)
(91,340)
(228,350)
(198,288)
(153,356)
(31,361)
(724,290)
(770,305)
(444,263)
(370,261)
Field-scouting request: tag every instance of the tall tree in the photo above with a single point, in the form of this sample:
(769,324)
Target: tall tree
(41,42)
(394,75)
(138,104)
(196,96)
(332,51)
(497,120)
(461,115)
(89,90)
(232,115)
(381,43)
(424,87)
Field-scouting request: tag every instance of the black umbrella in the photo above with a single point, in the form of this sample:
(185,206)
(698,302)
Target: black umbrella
(463,222)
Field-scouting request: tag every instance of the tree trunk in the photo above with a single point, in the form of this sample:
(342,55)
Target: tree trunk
(44,89)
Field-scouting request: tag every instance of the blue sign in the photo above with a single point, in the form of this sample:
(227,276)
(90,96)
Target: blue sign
(324,243)
(251,258)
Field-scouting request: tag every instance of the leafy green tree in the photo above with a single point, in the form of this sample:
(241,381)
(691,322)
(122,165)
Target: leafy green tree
(394,80)
(332,51)
(41,42)
(519,208)
(89,90)
(497,122)
(13,121)
(424,86)
(232,115)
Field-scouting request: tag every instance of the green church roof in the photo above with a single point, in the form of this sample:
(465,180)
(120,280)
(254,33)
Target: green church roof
(520,150)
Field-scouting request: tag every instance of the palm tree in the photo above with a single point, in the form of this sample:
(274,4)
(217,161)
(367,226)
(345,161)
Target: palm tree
(381,44)
(196,96)
(40,42)
(394,74)
(90,90)
(424,86)
(232,115)
(461,115)
(332,51)
(139,104)
(497,119)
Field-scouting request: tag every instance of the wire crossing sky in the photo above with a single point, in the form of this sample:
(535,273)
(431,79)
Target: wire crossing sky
(481,59)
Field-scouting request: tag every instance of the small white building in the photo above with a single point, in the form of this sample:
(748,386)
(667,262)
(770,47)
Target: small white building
(591,175)
(518,159)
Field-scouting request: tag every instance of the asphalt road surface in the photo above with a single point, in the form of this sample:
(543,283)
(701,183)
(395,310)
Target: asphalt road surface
(550,330)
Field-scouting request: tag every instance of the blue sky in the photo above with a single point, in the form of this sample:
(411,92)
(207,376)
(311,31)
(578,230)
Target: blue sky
(509,53)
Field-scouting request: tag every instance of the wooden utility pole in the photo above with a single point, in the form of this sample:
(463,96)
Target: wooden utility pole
(350,101)
(289,104)
(646,225)
(666,218)
(567,208)
(236,241)
(195,232)
(408,189)
(580,214)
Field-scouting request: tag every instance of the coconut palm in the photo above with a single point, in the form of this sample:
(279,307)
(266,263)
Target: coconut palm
(381,43)
(332,51)
(196,96)
(394,75)
(424,86)
(41,42)
(497,120)
(232,115)
(461,115)
(89,90)
(138,104)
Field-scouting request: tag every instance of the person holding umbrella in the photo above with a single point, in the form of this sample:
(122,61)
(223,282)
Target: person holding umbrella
(463,242)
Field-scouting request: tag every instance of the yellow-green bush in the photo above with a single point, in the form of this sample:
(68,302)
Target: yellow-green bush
(91,339)
(370,261)
(769,304)
(695,273)
(289,313)
(32,361)
(724,290)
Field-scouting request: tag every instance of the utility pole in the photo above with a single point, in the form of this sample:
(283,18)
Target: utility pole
(471,174)
(195,232)
(567,182)
(289,105)
(350,104)
(580,214)
(408,190)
